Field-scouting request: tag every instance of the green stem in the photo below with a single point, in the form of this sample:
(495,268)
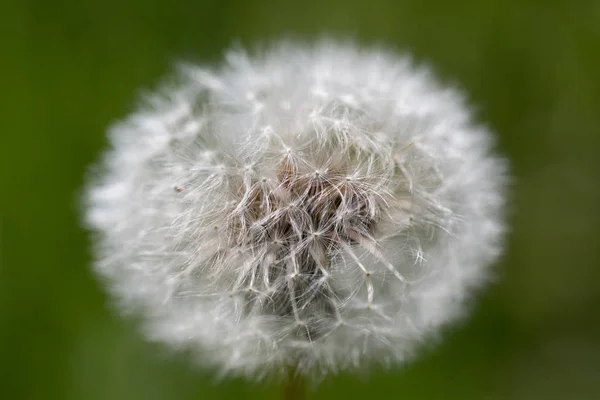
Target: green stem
(294,387)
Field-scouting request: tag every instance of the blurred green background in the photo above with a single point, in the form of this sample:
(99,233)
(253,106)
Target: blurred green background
(532,68)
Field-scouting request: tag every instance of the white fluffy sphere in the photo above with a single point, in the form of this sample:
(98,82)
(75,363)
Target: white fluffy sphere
(316,207)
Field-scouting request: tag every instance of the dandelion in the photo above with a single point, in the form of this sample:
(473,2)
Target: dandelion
(309,208)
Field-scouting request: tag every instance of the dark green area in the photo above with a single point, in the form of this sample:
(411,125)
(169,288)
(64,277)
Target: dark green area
(532,69)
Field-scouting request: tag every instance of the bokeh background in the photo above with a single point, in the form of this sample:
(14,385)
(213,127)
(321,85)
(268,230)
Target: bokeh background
(531,69)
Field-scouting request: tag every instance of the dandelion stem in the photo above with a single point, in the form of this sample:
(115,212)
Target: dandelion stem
(293,387)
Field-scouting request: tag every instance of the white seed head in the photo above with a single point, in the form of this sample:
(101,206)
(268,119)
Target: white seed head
(317,207)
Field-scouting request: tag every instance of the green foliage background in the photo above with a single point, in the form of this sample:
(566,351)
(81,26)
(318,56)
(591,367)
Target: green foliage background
(532,68)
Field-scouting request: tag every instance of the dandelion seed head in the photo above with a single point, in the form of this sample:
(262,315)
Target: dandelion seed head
(319,207)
